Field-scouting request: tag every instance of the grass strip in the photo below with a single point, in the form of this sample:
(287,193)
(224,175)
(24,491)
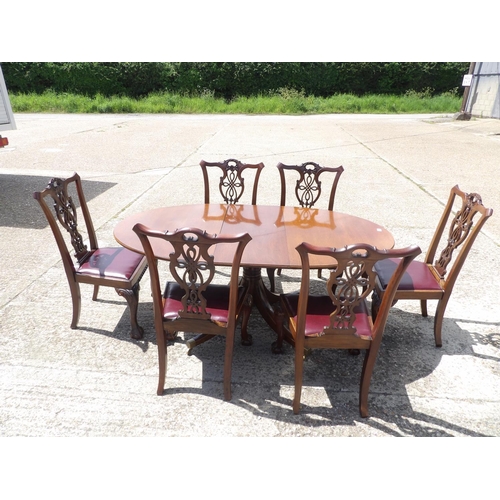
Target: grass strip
(287,102)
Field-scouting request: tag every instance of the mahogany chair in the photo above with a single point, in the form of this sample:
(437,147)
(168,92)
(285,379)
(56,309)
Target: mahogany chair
(434,279)
(114,267)
(307,192)
(192,302)
(232,182)
(339,318)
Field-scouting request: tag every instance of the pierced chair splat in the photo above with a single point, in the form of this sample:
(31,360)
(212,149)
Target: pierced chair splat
(434,279)
(339,318)
(114,267)
(308,189)
(192,302)
(231,182)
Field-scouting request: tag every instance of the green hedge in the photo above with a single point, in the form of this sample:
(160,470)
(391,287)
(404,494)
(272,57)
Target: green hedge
(229,80)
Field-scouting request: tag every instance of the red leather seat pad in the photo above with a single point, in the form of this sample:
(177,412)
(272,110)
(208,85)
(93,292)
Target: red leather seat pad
(111,262)
(416,277)
(217,301)
(319,309)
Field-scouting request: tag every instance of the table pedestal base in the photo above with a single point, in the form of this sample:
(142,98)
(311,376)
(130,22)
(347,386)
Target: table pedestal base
(267,304)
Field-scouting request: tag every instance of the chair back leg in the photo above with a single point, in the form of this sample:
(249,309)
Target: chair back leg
(438,318)
(423,308)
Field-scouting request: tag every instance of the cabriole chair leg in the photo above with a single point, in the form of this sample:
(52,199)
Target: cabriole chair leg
(132,298)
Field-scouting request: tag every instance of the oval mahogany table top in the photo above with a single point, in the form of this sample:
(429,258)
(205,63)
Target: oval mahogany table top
(275,230)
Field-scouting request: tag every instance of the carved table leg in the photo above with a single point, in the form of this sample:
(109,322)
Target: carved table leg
(132,298)
(277,346)
(246,338)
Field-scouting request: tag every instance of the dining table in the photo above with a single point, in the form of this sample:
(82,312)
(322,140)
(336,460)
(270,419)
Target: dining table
(276,231)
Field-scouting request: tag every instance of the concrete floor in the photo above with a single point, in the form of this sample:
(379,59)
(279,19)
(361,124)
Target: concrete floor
(96,381)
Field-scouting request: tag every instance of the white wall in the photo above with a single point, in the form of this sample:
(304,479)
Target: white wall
(7,121)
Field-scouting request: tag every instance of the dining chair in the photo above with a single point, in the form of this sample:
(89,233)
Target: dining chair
(114,267)
(339,317)
(231,182)
(434,279)
(191,301)
(307,193)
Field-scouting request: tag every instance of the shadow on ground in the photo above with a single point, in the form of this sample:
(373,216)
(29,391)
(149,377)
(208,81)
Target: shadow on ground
(19,209)
(263,382)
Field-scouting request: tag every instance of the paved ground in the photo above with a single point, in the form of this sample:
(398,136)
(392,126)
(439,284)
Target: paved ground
(96,381)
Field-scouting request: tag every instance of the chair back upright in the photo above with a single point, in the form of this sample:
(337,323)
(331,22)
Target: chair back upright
(231,182)
(60,210)
(308,185)
(462,232)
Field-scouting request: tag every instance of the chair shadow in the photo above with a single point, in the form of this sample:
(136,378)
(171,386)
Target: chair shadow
(122,329)
(19,209)
(263,382)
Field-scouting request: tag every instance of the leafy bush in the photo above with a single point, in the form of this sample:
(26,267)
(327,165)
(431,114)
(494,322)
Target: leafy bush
(230,80)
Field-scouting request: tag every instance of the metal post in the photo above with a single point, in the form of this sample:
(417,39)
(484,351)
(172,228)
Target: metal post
(463,115)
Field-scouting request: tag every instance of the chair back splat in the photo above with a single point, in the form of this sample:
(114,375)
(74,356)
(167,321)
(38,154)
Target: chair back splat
(115,267)
(339,318)
(308,185)
(231,182)
(192,302)
(434,278)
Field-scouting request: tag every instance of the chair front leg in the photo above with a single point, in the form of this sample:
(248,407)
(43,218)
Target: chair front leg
(299,370)
(132,298)
(228,365)
(366,376)
(77,302)
(161,339)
